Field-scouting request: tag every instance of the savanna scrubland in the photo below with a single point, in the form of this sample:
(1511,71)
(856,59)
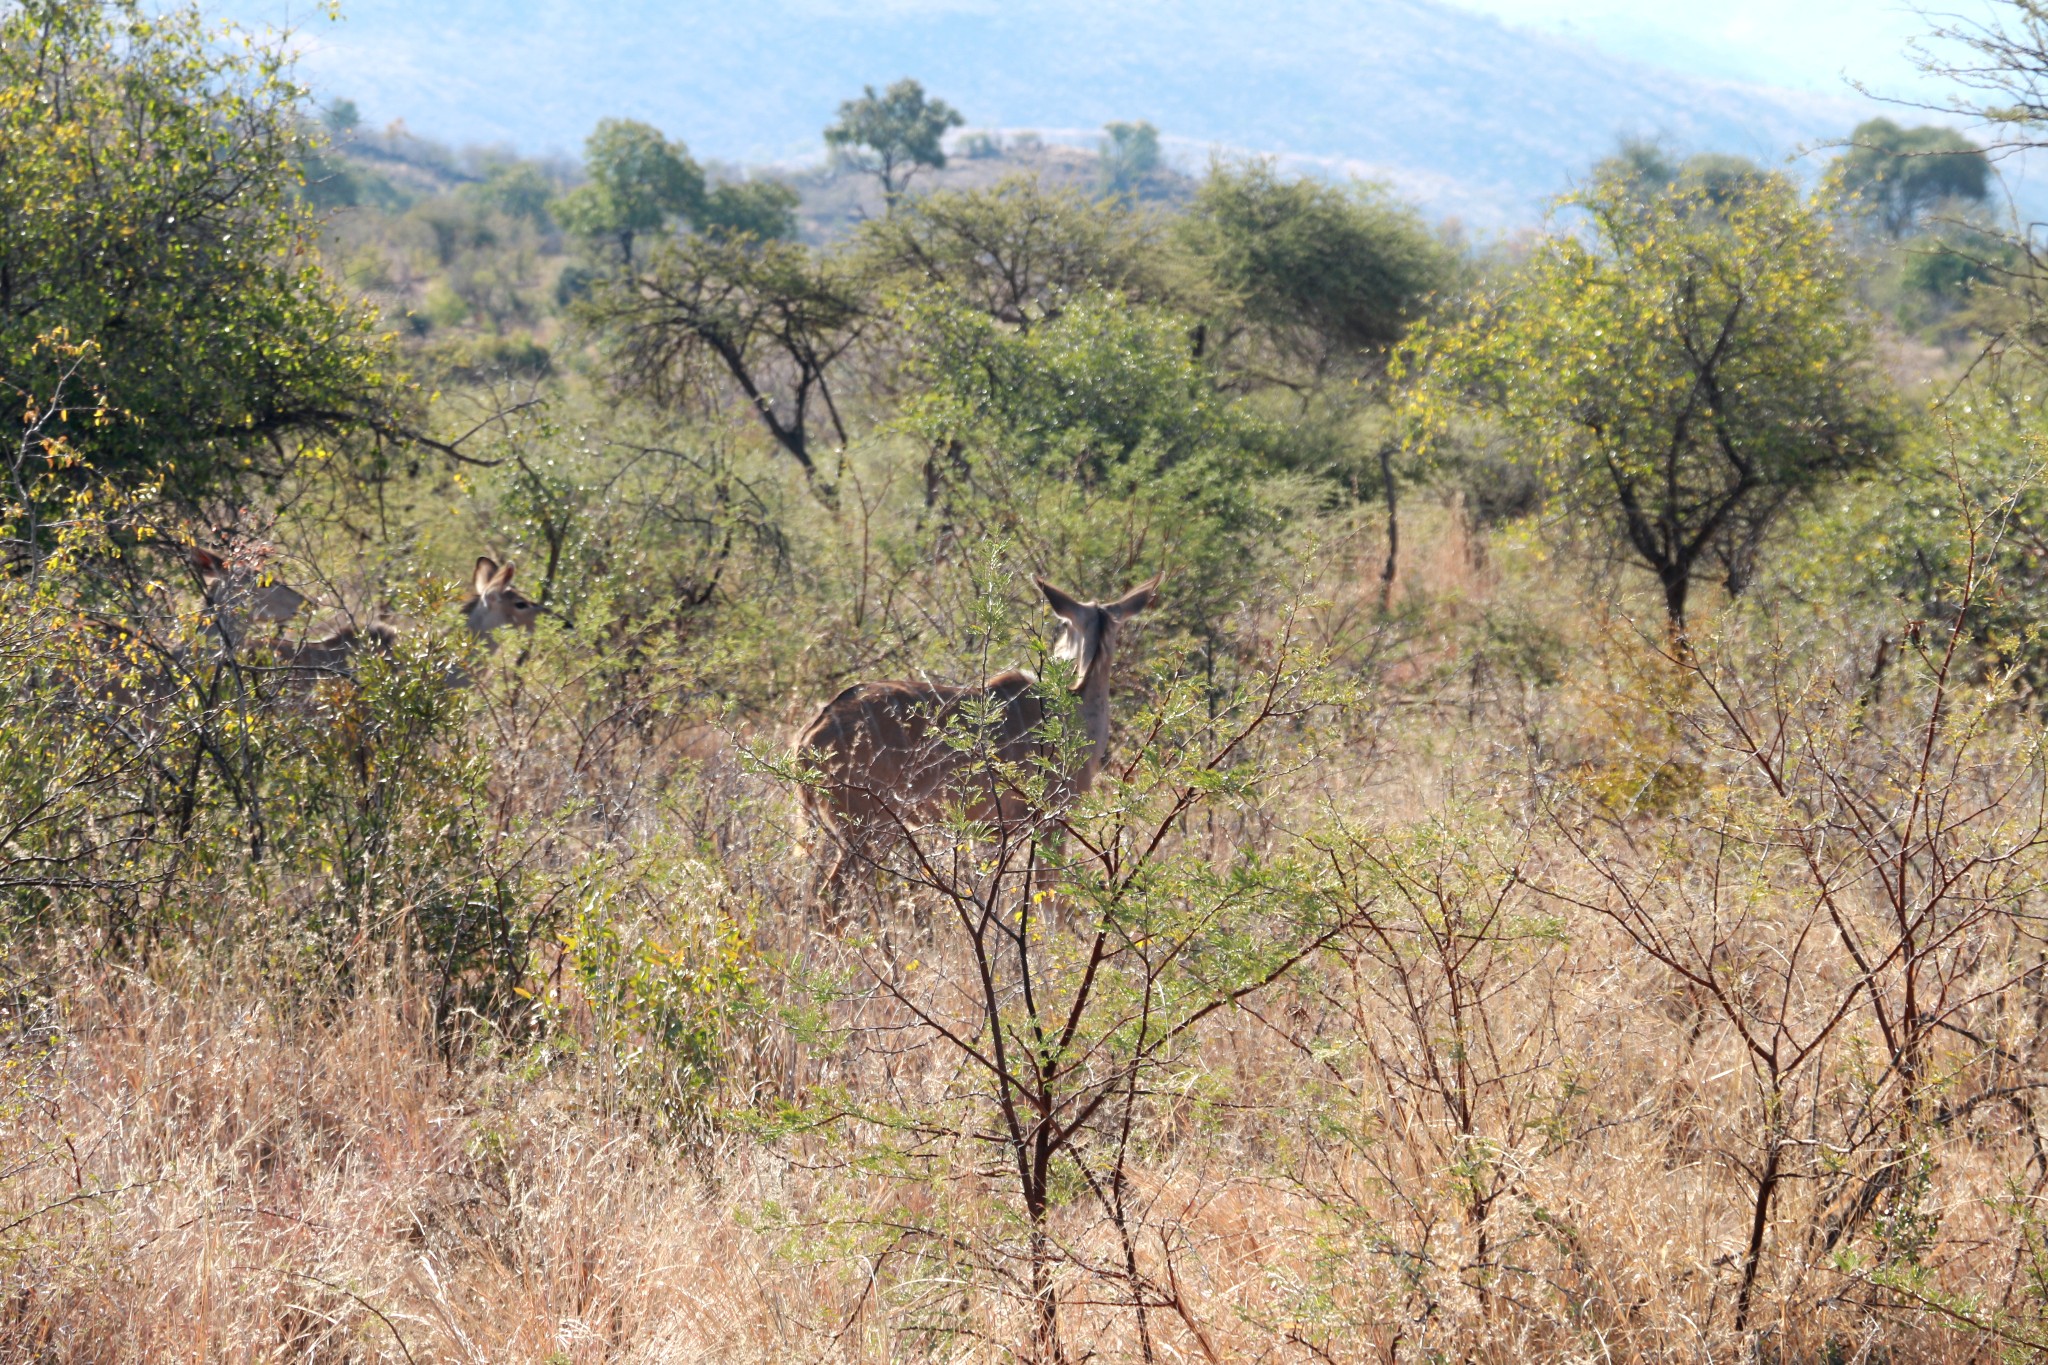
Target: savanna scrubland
(1563,884)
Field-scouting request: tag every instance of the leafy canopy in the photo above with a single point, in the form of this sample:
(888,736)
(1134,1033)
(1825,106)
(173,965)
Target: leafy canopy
(1018,251)
(1307,270)
(764,210)
(1683,370)
(150,204)
(1649,168)
(892,134)
(1095,436)
(640,181)
(1899,173)
(1079,395)
(517,189)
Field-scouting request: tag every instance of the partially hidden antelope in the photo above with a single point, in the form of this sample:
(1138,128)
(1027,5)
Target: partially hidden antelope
(890,758)
(493,602)
(140,680)
(238,596)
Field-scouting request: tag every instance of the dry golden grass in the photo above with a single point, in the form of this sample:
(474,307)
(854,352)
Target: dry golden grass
(199,1177)
(195,1176)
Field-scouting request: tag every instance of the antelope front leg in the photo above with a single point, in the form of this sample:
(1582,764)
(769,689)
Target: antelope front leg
(825,886)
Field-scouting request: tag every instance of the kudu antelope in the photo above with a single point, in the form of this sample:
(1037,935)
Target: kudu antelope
(240,597)
(133,678)
(493,601)
(889,760)
(128,676)
(493,604)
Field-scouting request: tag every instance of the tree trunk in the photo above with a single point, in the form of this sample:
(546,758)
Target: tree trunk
(1045,1299)
(1034,1169)
(1677,582)
(1766,1187)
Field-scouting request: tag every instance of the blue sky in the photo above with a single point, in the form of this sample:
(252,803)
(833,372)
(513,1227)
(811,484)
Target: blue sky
(1799,44)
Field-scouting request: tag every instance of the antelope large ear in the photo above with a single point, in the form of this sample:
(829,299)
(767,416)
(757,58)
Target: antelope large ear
(1134,601)
(486,569)
(205,561)
(1061,604)
(504,577)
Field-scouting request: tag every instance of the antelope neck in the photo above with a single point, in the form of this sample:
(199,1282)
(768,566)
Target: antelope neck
(1095,718)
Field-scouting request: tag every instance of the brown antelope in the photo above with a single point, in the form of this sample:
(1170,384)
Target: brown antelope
(493,601)
(885,765)
(134,680)
(128,676)
(240,597)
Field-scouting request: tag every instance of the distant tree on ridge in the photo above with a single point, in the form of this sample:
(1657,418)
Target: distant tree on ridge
(639,182)
(1900,173)
(1129,152)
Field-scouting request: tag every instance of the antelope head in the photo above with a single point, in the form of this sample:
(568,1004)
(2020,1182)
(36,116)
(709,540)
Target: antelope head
(494,602)
(1088,630)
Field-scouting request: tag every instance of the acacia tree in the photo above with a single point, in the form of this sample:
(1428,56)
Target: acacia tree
(710,318)
(892,134)
(1128,153)
(1306,272)
(1683,370)
(1101,406)
(1997,67)
(761,209)
(1305,287)
(1019,251)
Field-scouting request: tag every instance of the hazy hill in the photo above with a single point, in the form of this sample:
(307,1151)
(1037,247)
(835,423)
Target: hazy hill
(1456,109)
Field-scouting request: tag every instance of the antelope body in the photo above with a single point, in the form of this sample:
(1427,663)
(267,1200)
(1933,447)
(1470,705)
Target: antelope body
(128,676)
(888,755)
(334,657)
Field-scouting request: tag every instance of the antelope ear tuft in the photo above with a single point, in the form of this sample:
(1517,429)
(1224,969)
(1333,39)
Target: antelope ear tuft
(1061,604)
(486,569)
(1136,600)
